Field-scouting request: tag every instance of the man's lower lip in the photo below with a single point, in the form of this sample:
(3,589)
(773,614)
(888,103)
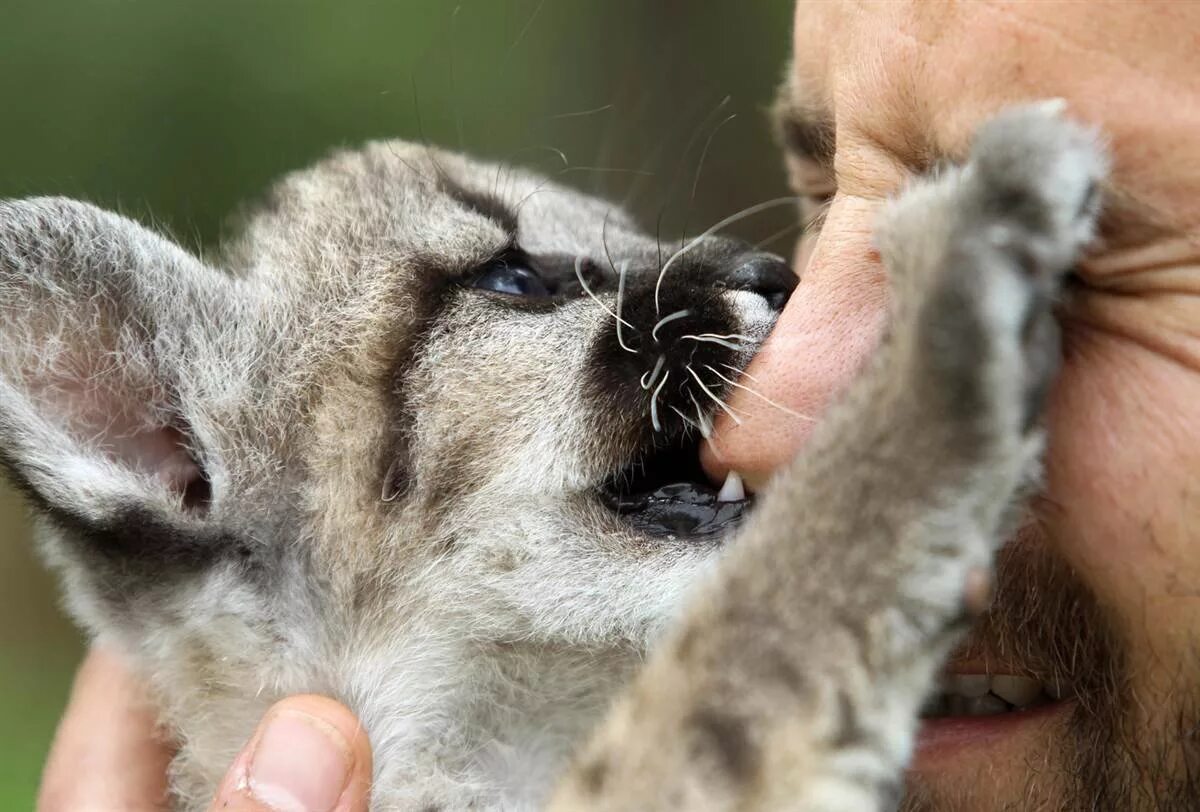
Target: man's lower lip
(957,736)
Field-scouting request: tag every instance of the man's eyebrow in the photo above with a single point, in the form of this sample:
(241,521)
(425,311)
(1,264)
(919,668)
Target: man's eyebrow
(804,132)
(807,132)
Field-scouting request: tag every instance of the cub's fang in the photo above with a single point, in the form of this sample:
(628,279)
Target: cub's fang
(733,490)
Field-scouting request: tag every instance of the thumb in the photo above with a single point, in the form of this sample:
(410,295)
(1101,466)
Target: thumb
(309,754)
(107,753)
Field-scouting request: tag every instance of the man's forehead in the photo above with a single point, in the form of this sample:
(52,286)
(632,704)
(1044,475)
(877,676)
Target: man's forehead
(914,80)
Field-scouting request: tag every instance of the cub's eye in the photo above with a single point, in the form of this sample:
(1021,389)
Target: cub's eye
(513,279)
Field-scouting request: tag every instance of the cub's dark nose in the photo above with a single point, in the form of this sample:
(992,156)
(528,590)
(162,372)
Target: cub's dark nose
(764,274)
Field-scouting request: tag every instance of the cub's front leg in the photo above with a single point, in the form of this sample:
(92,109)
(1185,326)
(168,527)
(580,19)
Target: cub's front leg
(796,679)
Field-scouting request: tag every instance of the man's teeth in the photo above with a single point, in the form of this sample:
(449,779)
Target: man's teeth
(968,685)
(987,695)
(985,705)
(733,490)
(1019,691)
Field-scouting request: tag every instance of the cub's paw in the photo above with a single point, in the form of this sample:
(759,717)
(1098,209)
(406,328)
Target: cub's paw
(1040,174)
(978,255)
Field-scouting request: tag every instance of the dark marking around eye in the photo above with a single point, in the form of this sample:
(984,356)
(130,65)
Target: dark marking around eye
(433,286)
(558,271)
(537,282)
(484,204)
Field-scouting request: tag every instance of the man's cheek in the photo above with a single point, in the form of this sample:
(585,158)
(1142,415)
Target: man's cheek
(1124,448)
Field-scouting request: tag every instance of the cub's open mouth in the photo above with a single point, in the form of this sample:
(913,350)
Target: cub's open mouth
(666,493)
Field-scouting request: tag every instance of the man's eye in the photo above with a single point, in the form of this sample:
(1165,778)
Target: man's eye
(813,208)
(513,280)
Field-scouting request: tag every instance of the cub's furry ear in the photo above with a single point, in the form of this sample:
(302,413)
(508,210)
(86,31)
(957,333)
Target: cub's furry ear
(104,329)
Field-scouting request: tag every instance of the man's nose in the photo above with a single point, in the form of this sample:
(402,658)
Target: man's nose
(831,324)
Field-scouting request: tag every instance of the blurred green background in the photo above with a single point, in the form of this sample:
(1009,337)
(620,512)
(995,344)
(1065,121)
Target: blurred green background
(173,112)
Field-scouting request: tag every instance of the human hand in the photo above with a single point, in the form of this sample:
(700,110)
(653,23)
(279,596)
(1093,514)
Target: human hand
(309,753)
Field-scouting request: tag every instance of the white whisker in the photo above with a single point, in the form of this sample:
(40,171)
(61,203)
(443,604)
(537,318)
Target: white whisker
(654,402)
(761,396)
(678,314)
(700,164)
(592,111)
(388,493)
(716,399)
(730,336)
(705,426)
(714,448)
(708,339)
(797,226)
(658,365)
(741,372)
(686,419)
(588,291)
(617,170)
(733,218)
(620,296)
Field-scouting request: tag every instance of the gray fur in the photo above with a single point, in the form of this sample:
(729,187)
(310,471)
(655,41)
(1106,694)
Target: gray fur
(323,465)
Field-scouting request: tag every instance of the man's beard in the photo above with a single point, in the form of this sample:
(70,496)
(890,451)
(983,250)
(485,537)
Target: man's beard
(1113,753)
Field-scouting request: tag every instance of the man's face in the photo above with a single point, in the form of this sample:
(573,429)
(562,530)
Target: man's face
(1100,595)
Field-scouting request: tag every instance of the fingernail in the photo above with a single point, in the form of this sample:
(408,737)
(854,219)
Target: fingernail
(301,764)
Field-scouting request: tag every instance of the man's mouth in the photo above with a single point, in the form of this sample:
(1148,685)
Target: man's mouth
(957,741)
(978,706)
(666,493)
(1039,657)
(982,694)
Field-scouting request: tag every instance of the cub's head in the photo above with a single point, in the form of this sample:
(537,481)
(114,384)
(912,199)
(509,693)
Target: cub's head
(421,405)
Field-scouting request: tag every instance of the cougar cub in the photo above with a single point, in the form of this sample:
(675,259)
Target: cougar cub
(424,438)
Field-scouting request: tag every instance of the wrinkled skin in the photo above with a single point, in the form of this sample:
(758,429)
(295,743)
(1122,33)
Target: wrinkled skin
(903,85)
